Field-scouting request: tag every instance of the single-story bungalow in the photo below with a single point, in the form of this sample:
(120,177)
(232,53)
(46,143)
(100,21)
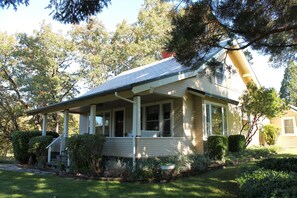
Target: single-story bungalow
(161,109)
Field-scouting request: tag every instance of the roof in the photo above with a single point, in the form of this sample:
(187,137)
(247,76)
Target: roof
(128,79)
(145,73)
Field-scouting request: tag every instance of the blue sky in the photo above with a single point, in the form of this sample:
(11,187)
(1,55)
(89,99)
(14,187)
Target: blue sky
(26,19)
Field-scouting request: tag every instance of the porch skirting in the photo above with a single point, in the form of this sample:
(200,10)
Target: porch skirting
(146,146)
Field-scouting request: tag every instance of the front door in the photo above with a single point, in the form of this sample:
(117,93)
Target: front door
(119,124)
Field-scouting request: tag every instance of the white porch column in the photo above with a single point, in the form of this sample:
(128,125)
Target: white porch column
(83,123)
(92,119)
(65,131)
(44,123)
(136,123)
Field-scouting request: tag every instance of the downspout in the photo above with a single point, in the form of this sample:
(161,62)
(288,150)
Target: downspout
(133,128)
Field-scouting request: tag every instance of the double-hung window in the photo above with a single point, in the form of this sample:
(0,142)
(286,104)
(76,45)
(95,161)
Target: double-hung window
(215,119)
(103,123)
(157,117)
(288,125)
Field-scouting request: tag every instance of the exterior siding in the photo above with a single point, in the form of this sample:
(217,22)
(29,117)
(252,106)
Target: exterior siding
(286,140)
(118,147)
(178,117)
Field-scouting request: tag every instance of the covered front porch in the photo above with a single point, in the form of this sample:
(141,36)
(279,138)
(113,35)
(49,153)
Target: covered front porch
(135,127)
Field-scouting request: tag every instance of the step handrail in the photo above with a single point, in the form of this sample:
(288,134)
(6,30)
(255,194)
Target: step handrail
(54,141)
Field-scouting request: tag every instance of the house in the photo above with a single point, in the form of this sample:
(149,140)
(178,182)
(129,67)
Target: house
(287,124)
(161,109)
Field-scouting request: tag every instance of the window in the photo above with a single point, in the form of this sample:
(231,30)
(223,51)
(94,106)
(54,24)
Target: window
(152,117)
(288,126)
(215,120)
(103,123)
(220,75)
(157,118)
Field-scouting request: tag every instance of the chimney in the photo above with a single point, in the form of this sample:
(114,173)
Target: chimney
(166,54)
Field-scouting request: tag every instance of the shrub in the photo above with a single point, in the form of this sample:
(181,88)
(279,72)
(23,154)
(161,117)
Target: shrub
(217,146)
(198,162)
(147,170)
(279,164)
(85,152)
(20,143)
(117,168)
(267,183)
(37,148)
(236,143)
(270,133)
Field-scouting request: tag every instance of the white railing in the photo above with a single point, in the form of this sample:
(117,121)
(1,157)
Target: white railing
(49,147)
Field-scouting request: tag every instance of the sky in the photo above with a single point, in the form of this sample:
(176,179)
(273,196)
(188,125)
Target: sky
(26,19)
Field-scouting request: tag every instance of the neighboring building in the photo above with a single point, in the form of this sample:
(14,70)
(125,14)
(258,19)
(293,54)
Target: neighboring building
(163,108)
(287,123)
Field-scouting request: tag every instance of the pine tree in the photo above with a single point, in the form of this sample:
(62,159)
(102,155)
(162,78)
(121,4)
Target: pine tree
(288,88)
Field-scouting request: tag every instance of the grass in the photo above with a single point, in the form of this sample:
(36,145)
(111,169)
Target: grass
(216,183)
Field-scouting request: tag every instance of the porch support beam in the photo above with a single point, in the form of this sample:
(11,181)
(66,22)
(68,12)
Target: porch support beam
(137,115)
(44,123)
(83,123)
(92,119)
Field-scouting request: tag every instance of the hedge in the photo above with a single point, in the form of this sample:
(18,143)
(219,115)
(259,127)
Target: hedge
(85,153)
(217,146)
(20,143)
(236,143)
(280,164)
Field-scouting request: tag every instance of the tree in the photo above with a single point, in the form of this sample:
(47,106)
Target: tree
(104,55)
(267,26)
(288,90)
(260,103)
(65,11)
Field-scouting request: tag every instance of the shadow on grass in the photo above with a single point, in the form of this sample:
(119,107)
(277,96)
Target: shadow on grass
(215,183)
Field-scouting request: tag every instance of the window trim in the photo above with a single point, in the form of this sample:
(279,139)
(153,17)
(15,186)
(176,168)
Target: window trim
(283,125)
(224,106)
(103,121)
(161,118)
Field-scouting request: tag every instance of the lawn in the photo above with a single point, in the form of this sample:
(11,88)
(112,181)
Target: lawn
(216,183)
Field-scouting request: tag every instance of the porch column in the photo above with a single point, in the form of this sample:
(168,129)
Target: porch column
(44,123)
(83,123)
(136,123)
(65,132)
(92,119)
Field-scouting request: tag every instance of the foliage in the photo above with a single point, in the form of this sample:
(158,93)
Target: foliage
(217,147)
(147,170)
(20,143)
(37,148)
(106,54)
(117,168)
(270,133)
(279,164)
(65,11)
(288,90)
(236,143)
(260,103)
(263,25)
(267,183)
(198,162)
(85,153)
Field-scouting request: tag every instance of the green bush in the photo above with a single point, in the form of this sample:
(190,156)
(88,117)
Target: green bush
(85,153)
(198,162)
(267,183)
(236,143)
(20,143)
(279,164)
(217,146)
(270,133)
(147,170)
(37,148)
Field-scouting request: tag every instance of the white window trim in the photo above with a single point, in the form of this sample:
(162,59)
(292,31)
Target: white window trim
(103,122)
(161,120)
(206,102)
(283,125)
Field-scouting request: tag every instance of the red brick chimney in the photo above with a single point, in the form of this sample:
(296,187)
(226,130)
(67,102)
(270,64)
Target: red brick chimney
(167,54)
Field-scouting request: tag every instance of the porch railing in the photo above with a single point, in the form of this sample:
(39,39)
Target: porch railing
(56,141)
